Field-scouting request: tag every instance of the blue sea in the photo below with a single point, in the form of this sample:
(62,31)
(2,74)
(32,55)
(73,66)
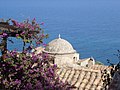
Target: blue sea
(91,26)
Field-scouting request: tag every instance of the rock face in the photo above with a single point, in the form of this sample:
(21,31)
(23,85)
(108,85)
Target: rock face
(115,84)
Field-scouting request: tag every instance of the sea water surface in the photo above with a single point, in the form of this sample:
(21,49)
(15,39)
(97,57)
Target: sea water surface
(91,26)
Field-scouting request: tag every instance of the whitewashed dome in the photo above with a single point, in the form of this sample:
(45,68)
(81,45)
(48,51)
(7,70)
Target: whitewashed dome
(59,46)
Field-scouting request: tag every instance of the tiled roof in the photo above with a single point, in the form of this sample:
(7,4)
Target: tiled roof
(98,67)
(82,79)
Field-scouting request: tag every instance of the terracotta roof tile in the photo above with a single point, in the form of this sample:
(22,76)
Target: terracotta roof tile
(98,67)
(82,79)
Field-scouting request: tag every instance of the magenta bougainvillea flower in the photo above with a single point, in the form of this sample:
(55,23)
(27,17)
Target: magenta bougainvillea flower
(27,70)
(42,23)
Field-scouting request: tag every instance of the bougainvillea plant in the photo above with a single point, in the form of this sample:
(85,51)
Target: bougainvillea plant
(27,70)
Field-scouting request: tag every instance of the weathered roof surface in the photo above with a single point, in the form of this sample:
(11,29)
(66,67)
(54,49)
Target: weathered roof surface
(59,46)
(82,79)
(98,67)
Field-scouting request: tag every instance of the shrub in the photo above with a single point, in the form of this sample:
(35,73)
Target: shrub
(30,72)
(26,70)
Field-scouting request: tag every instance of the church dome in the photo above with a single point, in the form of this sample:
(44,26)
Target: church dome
(59,46)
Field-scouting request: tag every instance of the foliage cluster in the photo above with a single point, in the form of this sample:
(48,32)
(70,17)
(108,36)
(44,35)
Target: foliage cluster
(27,70)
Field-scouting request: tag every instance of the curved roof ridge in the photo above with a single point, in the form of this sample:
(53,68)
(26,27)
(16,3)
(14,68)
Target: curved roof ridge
(81,78)
(80,68)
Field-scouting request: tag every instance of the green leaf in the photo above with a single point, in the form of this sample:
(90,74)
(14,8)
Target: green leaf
(27,41)
(18,37)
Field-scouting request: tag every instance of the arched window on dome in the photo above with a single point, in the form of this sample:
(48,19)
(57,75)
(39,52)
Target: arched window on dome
(90,62)
(75,59)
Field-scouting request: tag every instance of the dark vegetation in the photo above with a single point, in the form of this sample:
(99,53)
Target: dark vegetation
(109,74)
